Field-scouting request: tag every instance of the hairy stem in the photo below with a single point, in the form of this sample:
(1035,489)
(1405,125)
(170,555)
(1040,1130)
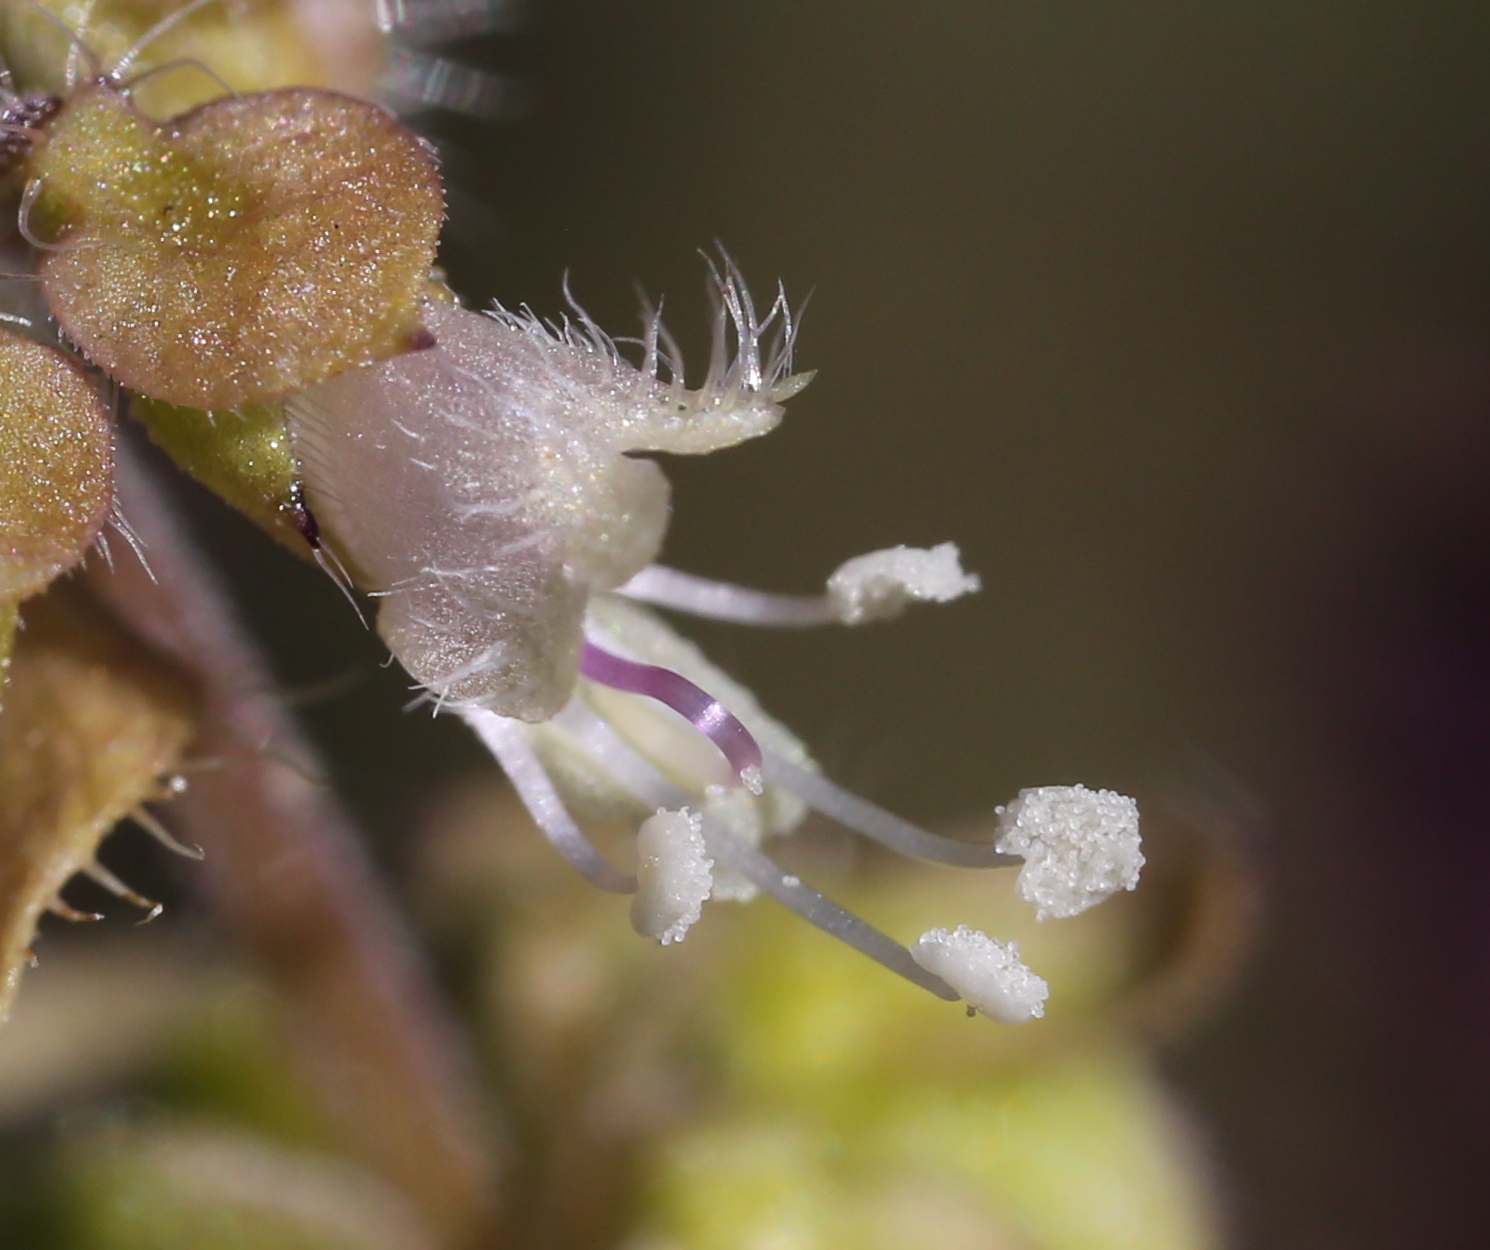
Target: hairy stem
(286,869)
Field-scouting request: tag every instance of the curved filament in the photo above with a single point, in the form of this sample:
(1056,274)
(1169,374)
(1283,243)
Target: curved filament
(701,709)
(722,601)
(507,740)
(641,777)
(875,822)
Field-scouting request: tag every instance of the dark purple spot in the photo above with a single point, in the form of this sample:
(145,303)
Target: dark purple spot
(301,517)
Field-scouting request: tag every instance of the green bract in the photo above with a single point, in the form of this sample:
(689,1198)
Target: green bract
(241,252)
(56,465)
(241,455)
(92,723)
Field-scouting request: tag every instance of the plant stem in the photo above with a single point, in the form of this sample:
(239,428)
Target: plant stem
(287,871)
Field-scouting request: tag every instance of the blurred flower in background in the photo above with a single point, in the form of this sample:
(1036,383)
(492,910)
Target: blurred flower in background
(760,1086)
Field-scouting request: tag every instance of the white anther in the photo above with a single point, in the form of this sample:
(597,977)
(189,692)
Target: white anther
(1079,846)
(674,875)
(987,973)
(877,586)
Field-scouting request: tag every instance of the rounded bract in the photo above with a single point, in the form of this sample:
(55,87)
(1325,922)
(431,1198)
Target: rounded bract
(56,465)
(245,250)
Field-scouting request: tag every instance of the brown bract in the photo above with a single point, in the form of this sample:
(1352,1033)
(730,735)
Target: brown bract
(242,251)
(92,721)
(56,465)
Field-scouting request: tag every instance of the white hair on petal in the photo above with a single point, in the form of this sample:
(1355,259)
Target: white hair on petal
(750,358)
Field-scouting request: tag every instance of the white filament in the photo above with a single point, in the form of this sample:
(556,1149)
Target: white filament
(643,779)
(508,741)
(875,822)
(721,601)
(821,911)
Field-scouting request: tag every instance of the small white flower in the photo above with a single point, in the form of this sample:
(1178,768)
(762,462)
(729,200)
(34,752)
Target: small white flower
(1079,846)
(483,489)
(986,972)
(486,492)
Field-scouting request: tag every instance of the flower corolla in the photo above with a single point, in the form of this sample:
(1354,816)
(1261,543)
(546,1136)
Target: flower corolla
(485,488)
(487,492)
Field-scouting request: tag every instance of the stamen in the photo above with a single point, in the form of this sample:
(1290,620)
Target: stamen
(709,716)
(1079,846)
(879,585)
(872,587)
(508,741)
(987,972)
(874,822)
(819,910)
(674,874)
(595,736)
(639,776)
(721,601)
